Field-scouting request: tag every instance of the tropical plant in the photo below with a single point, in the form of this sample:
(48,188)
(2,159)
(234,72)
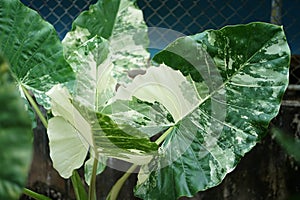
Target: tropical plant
(184,121)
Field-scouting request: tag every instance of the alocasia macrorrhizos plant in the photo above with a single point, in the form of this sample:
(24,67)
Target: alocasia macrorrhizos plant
(206,99)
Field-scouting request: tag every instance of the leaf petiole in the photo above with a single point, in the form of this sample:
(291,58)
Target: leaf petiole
(164,135)
(114,192)
(92,188)
(35,107)
(35,195)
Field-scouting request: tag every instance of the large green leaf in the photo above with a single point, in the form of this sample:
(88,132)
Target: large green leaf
(32,48)
(245,68)
(15,140)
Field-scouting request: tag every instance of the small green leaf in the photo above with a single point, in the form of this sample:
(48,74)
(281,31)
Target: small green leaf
(33,49)
(15,140)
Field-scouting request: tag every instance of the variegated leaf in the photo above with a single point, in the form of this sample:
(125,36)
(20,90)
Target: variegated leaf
(169,95)
(68,149)
(246,71)
(92,63)
(122,24)
(149,118)
(88,129)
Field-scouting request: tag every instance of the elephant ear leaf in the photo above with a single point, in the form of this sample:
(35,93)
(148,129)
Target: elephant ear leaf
(33,49)
(245,69)
(15,139)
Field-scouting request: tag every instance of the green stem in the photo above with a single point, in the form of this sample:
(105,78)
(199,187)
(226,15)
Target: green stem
(35,195)
(78,186)
(92,188)
(163,136)
(114,192)
(35,106)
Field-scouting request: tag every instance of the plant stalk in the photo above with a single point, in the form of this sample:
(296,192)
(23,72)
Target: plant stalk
(92,188)
(164,135)
(78,186)
(35,107)
(35,195)
(114,192)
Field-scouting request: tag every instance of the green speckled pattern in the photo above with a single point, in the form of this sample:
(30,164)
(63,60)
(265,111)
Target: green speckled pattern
(249,65)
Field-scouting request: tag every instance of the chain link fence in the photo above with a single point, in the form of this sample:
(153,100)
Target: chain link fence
(192,16)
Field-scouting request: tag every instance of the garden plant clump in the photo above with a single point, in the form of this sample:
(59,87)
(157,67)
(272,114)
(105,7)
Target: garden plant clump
(181,122)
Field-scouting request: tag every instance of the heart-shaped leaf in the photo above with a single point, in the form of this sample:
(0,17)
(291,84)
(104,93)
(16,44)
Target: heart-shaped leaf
(105,43)
(245,68)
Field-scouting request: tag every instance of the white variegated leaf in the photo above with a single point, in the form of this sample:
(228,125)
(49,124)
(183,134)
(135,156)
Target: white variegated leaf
(62,106)
(68,149)
(166,86)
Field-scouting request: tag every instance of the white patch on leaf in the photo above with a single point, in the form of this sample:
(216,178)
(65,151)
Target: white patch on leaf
(164,85)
